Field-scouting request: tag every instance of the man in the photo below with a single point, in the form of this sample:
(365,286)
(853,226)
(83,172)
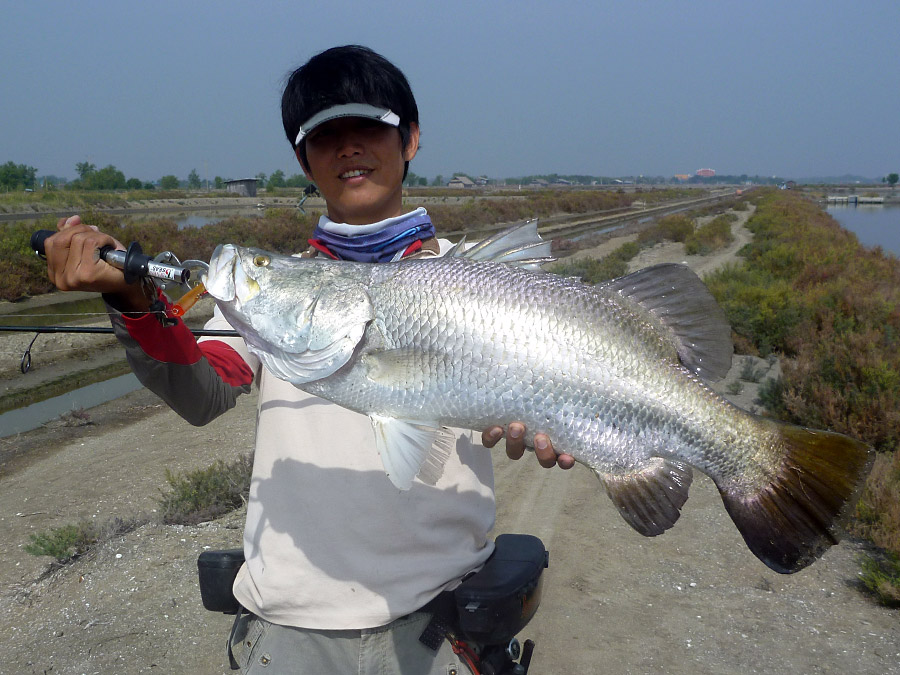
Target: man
(339,563)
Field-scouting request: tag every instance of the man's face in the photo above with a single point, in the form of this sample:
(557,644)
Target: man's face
(357,164)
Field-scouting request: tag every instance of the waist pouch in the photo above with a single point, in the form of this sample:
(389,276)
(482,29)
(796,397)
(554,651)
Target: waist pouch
(217,571)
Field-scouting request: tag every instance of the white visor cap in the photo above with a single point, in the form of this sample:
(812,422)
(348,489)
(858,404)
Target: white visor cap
(348,110)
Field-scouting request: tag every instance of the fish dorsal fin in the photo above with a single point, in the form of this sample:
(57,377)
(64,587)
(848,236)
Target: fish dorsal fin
(519,245)
(323,333)
(680,300)
(412,449)
(650,498)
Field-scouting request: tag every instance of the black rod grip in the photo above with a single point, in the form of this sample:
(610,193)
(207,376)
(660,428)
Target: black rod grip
(38,238)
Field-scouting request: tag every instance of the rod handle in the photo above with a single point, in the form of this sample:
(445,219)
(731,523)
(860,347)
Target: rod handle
(38,238)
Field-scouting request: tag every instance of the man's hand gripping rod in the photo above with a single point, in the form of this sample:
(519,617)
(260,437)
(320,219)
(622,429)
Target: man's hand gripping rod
(134,263)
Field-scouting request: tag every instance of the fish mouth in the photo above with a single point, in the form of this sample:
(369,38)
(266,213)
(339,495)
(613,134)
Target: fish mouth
(219,280)
(227,279)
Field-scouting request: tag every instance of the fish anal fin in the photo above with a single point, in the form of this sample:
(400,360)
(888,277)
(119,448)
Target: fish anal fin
(792,518)
(412,449)
(650,498)
(682,303)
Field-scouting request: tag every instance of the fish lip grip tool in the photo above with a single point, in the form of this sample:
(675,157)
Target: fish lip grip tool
(133,262)
(136,265)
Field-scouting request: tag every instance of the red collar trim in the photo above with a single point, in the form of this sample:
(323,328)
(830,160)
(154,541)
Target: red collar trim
(322,248)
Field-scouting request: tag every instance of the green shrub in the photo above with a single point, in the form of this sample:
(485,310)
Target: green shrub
(750,372)
(770,396)
(881,576)
(762,308)
(592,271)
(710,237)
(205,494)
(68,542)
(62,543)
(673,227)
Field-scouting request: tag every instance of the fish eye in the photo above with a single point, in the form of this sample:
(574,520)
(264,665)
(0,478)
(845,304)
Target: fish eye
(261,260)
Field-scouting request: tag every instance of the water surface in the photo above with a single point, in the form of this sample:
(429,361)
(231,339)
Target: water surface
(873,224)
(31,417)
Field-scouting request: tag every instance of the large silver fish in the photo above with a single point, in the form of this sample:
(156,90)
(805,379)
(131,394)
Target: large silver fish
(615,374)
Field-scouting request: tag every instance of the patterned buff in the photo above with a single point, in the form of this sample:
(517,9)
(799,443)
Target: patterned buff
(384,241)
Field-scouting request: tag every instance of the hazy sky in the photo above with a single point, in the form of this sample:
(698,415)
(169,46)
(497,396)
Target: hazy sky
(792,88)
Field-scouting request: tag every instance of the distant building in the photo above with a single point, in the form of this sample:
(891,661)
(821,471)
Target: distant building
(461,182)
(682,176)
(706,173)
(245,187)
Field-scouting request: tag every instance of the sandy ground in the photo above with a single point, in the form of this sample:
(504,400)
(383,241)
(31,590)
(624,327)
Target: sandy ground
(694,600)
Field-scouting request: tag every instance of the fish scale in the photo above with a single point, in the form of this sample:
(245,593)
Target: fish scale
(615,374)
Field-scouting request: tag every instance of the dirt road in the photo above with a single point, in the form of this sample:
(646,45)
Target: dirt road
(694,600)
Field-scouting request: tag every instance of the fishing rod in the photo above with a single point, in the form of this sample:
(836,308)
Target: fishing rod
(136,266)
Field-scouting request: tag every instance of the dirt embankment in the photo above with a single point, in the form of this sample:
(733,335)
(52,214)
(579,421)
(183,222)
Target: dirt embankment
(694,600)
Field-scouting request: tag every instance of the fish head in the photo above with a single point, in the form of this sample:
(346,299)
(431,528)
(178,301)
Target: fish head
(301,316)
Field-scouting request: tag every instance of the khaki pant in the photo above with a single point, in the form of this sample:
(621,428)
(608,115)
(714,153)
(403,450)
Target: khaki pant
(266,648)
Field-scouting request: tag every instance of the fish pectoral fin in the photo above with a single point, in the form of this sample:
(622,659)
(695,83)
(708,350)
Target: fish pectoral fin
(412,449)
(401,368)
(650,497)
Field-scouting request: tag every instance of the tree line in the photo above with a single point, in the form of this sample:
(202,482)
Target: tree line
(23,177)
(20,177)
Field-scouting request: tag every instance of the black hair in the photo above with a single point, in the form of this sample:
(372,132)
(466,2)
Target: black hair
(348,74)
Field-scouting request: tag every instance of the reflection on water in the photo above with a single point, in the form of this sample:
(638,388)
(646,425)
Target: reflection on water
(71,312)
(873,224)
(33,416)
(186,219)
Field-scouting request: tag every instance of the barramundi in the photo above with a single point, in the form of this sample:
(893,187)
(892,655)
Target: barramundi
(616,374)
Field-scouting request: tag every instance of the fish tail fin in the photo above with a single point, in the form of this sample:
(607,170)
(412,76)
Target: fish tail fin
(794,516)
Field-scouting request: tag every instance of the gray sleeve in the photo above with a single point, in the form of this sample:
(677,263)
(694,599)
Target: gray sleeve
(193,390)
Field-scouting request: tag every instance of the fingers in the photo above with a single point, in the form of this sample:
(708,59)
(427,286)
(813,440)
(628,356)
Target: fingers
(71,221)
(489,437)
(565,461)
(515,445)
(73,262)
(543,450)
(547,456)
(515,440)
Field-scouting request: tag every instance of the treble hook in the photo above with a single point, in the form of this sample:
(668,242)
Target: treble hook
(25,365)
